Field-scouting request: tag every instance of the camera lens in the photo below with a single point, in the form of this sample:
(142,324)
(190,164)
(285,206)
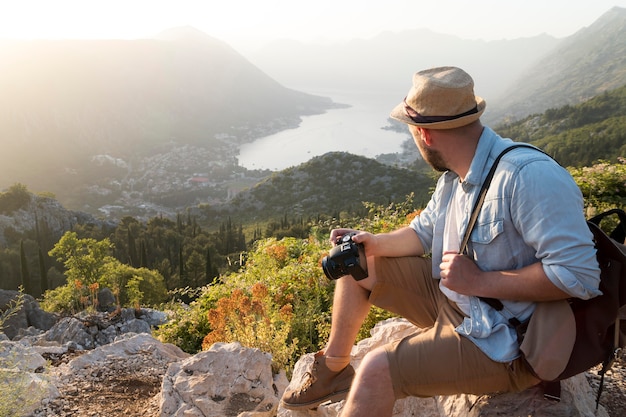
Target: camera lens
(328,266)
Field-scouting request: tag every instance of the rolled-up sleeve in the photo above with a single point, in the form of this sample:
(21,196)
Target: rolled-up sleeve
(548,210)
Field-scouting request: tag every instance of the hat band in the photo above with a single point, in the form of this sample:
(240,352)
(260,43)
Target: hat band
(418,118)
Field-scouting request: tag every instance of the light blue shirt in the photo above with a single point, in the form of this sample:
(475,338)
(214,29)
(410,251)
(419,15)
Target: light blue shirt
(532,212)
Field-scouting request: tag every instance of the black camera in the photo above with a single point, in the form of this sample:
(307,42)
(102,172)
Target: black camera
(347,258)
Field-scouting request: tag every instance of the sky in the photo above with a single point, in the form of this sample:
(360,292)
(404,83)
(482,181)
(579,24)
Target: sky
(245,23)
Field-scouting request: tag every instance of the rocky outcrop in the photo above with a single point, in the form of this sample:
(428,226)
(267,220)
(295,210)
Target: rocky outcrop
(23,382)
(227,380)
(577,399)
(137,375)
(112,379)
(30,315)
(48,213)
(88,331)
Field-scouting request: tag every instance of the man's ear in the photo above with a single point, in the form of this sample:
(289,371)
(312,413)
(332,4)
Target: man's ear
(426,136)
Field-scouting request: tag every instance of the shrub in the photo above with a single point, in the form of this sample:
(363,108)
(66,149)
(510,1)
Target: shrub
(88,267)
(280,300)
(603,185)
(16,391)
(255,320)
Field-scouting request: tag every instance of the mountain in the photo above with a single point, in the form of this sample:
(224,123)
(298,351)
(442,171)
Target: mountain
(329,184)
(385,63)
(145,127)
(517,77)
(64,102)
(584,65)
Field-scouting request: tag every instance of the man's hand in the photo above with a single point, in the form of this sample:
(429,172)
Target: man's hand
(459,273)
(530,283)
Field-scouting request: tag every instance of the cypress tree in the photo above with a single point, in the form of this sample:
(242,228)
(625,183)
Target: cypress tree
(132,249)
(43,272)
(24,270)
(143,253)
(210,278)
(181,268)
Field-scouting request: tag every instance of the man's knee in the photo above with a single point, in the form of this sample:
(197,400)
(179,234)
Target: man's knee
(375,367)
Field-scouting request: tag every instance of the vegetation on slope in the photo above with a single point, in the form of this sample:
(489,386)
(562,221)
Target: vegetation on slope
(578,135)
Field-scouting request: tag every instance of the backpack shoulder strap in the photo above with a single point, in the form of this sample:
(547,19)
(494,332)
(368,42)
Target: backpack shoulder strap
(493,302)
(483,192)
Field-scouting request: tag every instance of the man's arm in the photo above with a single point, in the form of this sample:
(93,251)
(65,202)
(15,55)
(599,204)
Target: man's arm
(401,242)
(461,274)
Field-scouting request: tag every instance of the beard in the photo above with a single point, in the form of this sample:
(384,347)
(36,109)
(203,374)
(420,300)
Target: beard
(434,159)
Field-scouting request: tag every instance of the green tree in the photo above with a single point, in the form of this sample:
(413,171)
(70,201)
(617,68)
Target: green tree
(84,259)
(89,266)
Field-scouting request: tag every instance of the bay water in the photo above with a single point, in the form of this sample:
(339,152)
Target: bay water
(356,129)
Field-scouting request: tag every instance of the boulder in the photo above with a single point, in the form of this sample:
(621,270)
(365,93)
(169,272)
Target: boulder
(24,379)
(30,315)
(106,300)
(71,329)
(227,380)
(577,399)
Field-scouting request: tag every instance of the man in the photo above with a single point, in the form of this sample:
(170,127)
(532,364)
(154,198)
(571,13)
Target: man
(530,243)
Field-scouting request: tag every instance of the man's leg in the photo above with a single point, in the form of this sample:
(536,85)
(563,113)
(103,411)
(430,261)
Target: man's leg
(372,391)
(350,308)
(332,374)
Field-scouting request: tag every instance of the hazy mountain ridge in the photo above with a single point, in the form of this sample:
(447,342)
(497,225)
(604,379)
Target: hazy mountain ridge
(517,77)
(582,66)
(66,101)
(386,62)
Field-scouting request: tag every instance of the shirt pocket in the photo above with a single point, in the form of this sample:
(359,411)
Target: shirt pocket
(485,233)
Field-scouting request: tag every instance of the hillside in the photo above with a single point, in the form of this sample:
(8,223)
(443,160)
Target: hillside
(65,102)
(582,66)
(329,184)
(578,135)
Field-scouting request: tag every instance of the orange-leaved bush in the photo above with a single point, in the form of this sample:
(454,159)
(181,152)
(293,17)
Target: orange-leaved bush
(254,320)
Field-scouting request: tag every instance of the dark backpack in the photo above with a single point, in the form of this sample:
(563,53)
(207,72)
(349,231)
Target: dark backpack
(598,332)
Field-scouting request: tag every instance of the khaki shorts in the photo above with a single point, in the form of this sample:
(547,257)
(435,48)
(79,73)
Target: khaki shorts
(437,360)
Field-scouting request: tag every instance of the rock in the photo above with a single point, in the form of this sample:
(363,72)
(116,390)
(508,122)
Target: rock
(37,317)
(106,300)
(126,347)
(227,380)
(22,374)
(89,331)
(30,315)
(16,355)
(135,326)
(17,321)
(70,329)
(153,317)
(577,399)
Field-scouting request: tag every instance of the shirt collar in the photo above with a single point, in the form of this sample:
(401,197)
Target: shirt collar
(484,156)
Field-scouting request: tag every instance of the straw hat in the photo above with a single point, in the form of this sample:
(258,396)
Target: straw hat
(441,98)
